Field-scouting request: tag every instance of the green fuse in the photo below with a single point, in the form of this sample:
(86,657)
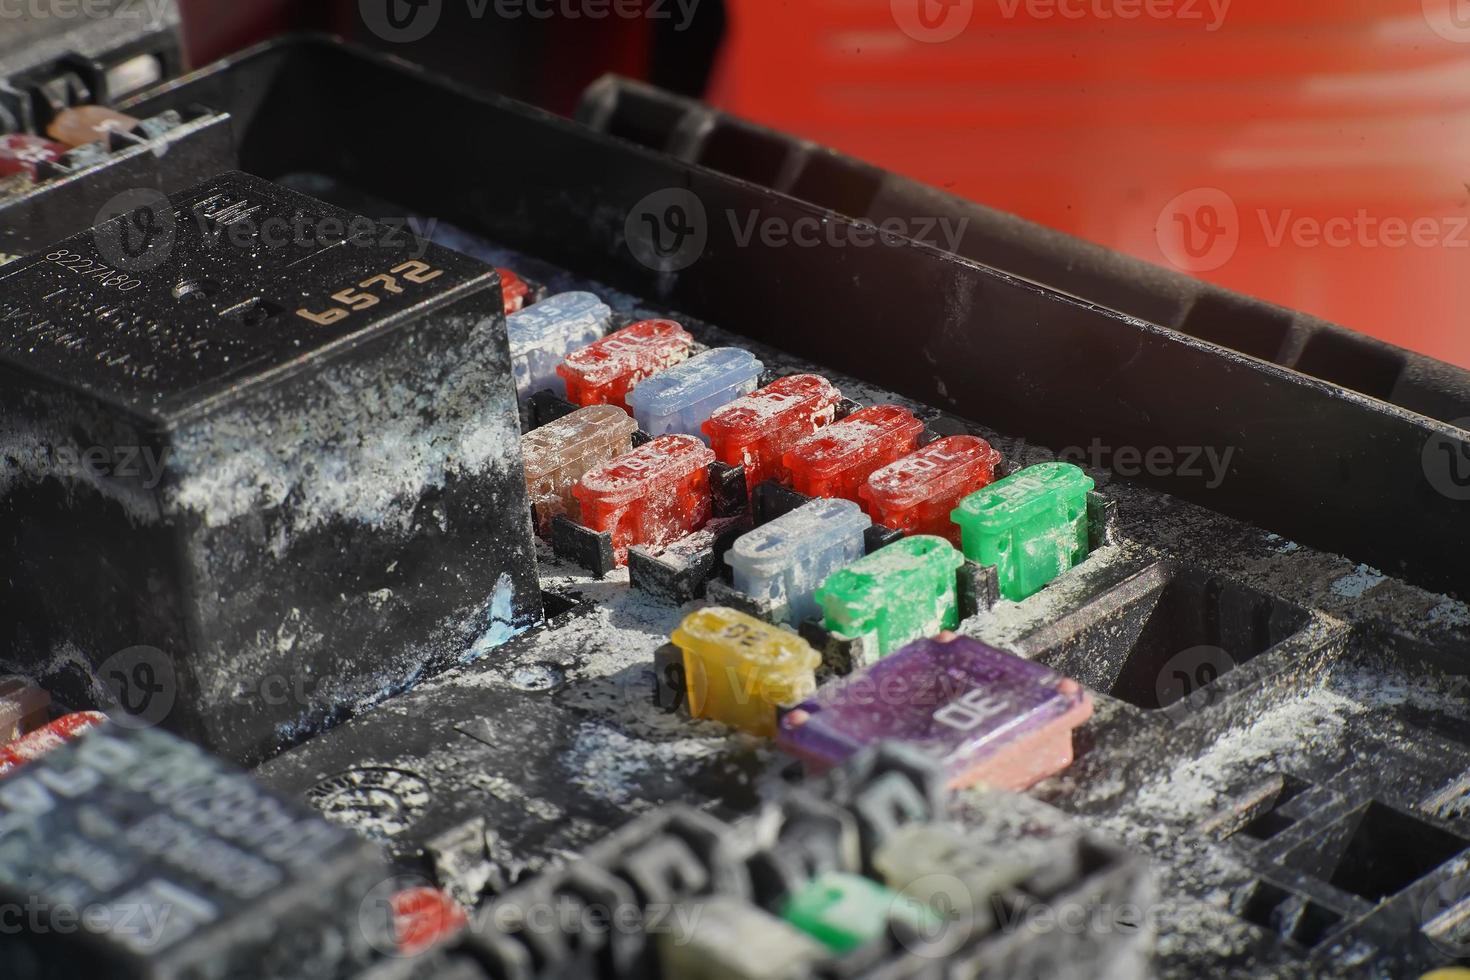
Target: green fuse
(846,911)
(1032,526)
(897,594)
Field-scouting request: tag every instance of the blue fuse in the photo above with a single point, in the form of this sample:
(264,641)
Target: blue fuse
(541,336)
(784,561)
(683,397)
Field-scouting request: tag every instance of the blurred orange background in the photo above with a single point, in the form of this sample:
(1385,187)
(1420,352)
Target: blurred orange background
(1311,153)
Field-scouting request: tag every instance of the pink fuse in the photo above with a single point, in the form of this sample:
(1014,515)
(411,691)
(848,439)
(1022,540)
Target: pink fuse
(23,154)
(652,496)
(916,494)
(838,460)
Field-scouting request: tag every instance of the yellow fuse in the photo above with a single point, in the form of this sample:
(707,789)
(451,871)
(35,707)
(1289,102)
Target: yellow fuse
(739,669)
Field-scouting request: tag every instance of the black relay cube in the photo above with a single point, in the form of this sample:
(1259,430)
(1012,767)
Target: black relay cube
(261,465)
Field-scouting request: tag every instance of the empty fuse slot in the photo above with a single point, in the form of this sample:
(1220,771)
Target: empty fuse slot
(1353,362)
(1376,851)
(1287,914)
(1250,327)
(1257,812)
(1195,629)
(1167,633)
(1269,820)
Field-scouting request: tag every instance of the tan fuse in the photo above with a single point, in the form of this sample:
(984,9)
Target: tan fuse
(23,708)
(560,453)
(89,124)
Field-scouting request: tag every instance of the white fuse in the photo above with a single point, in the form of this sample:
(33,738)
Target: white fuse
(541,337)
(785,560)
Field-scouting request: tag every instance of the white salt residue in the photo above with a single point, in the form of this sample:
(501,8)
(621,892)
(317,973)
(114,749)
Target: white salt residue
(1289,737)
(1281,545)
(1374,687)
(609,764)
(1354,585)
(1449,612)
(360,448)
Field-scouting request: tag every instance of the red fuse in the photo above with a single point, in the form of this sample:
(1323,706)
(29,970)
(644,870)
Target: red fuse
(757,430)
(43,740)
(514,289)
(917,494)
(654,495)
(424,918)
(837,461)
(604,372)
(23,154)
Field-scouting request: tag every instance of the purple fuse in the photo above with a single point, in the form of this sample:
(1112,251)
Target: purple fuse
(987,715)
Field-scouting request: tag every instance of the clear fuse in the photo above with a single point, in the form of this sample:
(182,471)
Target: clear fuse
(682,398)
(541,337)
(784,561)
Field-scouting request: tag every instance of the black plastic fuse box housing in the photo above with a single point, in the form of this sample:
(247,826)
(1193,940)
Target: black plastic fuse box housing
(263,466)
